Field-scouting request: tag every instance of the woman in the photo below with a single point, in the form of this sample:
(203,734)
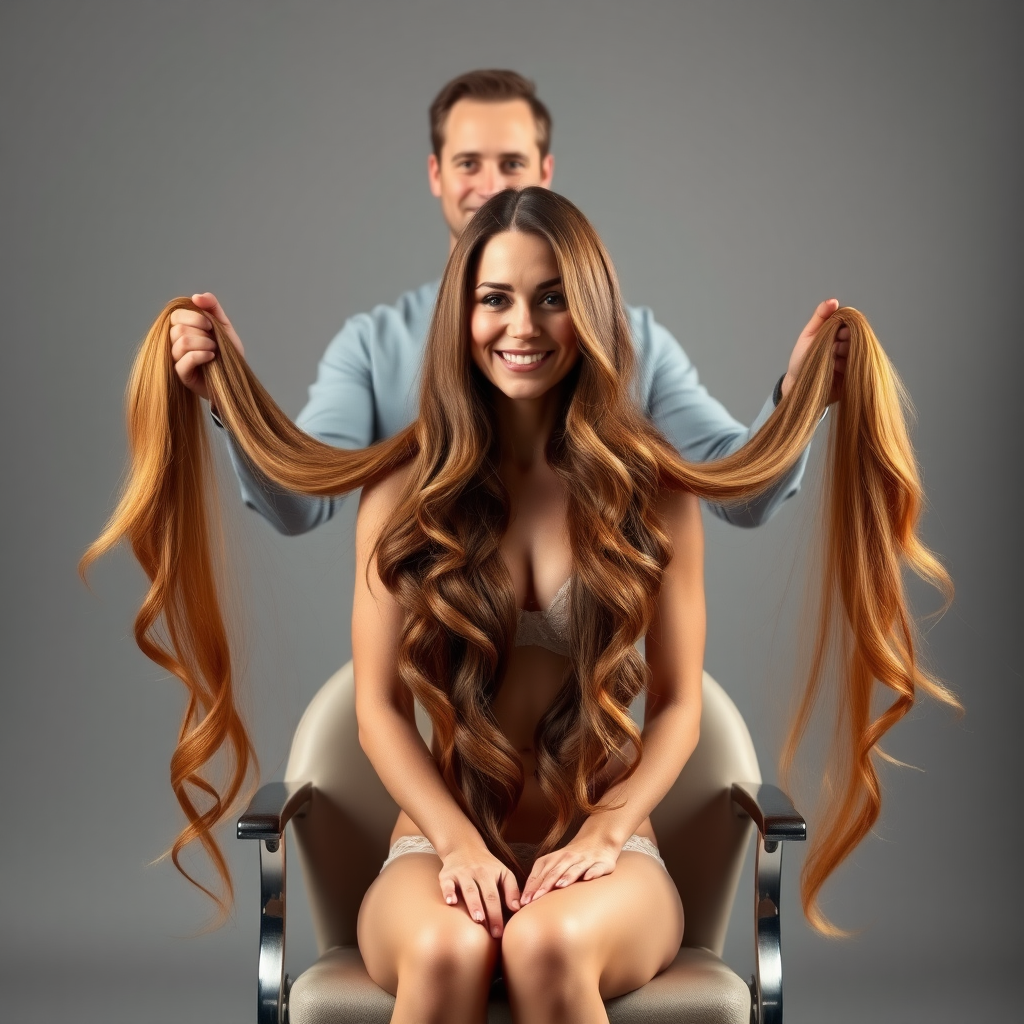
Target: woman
(565,943)
(513,545)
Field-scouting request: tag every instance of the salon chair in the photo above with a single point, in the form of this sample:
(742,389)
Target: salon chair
(341,817)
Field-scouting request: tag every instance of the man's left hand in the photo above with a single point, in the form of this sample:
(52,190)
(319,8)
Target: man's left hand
(803,344)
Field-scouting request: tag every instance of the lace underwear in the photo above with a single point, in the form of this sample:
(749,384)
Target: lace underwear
(524,851)
(548,629)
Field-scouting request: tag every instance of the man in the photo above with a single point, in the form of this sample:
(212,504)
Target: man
(489,132)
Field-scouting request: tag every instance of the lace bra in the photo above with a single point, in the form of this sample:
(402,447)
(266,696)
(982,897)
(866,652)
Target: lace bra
(548,629)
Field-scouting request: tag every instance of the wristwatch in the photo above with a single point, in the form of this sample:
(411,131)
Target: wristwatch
(777,393)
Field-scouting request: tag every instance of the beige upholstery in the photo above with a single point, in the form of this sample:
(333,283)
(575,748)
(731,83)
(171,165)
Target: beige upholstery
(343,836)
(696,989)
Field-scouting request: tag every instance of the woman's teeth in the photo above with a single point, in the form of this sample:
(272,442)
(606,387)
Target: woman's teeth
(522,360)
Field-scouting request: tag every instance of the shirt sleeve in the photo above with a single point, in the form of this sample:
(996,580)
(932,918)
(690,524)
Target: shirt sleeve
(698,425)
(340,411)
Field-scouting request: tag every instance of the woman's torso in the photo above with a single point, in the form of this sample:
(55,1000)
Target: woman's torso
(537,553)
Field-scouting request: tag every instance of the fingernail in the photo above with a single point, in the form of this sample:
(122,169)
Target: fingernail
(478,918)
(526,899)
(449,899)
(496,932)
(561,882)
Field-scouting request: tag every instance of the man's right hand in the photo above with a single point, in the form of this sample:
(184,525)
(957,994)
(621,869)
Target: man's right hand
(193,344)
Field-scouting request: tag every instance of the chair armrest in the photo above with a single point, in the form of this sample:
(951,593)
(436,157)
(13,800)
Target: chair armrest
(266,817)
(273,806)
(771,811)
(777,821)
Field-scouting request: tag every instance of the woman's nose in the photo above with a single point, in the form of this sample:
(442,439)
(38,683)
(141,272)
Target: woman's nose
(522,325)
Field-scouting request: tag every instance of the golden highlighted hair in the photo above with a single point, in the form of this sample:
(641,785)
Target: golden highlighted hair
(439,552)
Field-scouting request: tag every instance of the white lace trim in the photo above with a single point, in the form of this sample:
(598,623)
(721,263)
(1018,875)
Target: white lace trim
(421,844)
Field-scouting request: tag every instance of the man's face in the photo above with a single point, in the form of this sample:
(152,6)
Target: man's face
(487,147)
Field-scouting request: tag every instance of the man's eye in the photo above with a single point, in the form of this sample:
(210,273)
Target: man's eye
(514,165)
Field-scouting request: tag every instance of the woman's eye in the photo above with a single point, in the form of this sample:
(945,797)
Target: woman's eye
(553,299)
(494,301)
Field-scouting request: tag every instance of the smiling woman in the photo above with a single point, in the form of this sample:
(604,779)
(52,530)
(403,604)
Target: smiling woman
(530,481)
(523,340)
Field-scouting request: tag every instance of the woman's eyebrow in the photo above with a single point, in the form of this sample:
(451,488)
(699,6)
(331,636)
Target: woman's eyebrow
(509,288)
(548,284)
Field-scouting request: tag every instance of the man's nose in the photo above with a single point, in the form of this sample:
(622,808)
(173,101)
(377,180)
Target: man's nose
(490,181)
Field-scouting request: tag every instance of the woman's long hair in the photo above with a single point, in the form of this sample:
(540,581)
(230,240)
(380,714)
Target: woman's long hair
(439,551)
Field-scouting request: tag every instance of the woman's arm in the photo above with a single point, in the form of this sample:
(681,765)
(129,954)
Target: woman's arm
(388,733)
(675,655)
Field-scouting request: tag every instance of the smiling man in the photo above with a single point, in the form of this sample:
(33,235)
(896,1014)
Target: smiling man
(489,131)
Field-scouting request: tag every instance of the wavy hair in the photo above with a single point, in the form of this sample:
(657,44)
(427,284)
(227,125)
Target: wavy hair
(439,551)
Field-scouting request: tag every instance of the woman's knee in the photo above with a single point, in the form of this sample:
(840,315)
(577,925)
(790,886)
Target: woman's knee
(547,947)
(448,950)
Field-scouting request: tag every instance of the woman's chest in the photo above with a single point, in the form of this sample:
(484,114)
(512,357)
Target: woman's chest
(535,547)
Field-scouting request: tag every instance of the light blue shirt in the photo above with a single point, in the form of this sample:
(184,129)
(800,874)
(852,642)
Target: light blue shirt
(367,389)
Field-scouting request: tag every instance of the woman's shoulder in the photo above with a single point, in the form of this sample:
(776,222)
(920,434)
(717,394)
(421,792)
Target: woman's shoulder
(675,504)
(383,495)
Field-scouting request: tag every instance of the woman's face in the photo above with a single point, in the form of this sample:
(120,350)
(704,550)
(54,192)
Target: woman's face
(523,340)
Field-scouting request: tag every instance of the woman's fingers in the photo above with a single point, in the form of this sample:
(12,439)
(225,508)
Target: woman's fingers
(449,891)
(492,908)
(511,891)
(474,904)
(482,897)
(549,870)
(483,903)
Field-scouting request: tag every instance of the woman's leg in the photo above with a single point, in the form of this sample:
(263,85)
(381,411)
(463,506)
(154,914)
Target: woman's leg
(433,958)
(574,947)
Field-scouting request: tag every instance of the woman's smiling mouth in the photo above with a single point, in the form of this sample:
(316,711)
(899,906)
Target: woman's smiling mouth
(521,361)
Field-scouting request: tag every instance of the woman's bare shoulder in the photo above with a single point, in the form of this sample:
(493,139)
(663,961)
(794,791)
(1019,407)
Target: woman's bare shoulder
(678,508)
(380,498)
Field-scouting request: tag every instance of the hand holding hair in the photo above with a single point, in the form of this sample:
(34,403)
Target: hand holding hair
(806,339)
(193,343)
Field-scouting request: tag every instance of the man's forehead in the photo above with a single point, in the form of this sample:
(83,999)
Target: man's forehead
(477,128)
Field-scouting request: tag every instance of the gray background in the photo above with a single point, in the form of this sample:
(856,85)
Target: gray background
(742,162)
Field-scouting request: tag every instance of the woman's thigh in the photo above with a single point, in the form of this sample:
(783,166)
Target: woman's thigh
(621,928)
(405,925)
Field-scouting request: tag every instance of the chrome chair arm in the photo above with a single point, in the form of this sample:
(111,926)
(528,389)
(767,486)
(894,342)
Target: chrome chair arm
(777,821)
(265,819)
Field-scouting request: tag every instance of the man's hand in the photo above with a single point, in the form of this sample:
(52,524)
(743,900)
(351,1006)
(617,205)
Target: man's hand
(803,343)
(193,344)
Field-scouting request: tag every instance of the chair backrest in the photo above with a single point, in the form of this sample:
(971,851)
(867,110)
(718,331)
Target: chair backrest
(343,837)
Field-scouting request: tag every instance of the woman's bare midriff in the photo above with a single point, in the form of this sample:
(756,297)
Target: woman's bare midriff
(531,683)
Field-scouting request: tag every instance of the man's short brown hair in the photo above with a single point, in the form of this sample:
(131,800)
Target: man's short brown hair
(489,85)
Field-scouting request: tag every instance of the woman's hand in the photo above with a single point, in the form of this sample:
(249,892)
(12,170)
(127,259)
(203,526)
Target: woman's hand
(483,880)
(584,858)
(193,344)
